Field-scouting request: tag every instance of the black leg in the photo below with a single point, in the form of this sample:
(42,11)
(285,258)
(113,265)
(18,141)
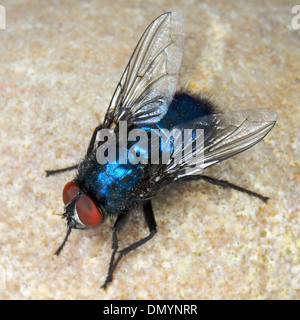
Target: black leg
(120,222)
(51,172)
(226,184)
(149,217)
(64,242)
(90,148)
(93,139)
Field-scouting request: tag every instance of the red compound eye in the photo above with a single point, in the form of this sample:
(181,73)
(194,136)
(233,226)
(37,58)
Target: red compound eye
(69,192)
(88,212)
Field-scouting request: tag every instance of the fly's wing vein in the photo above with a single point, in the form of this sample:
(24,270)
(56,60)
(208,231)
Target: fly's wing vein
(149,81)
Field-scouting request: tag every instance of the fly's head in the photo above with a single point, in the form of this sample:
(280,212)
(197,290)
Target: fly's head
(80,210)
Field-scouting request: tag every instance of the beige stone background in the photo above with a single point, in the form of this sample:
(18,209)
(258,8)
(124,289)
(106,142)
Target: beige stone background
(59,64)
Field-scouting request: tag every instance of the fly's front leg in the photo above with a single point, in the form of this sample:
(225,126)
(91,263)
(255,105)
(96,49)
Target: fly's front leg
(89,150)
(51,172)
(150,220)
(93,139)
(120,222)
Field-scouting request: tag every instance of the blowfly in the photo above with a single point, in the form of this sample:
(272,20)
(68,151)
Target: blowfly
(147,98)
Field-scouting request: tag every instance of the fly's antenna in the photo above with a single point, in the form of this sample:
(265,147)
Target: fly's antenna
(64,242)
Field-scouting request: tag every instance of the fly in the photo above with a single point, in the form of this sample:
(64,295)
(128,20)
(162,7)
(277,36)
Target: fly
(147,98)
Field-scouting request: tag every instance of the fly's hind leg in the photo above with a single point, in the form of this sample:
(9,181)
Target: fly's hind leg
(150,220)
(226,184)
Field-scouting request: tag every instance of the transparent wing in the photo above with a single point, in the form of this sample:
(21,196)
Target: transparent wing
(235,132)
(220,136)
(150,78)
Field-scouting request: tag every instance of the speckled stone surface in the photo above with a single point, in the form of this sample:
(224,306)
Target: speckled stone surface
(59,65)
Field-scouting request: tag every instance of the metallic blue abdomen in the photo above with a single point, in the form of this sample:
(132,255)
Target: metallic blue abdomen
(184,108)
